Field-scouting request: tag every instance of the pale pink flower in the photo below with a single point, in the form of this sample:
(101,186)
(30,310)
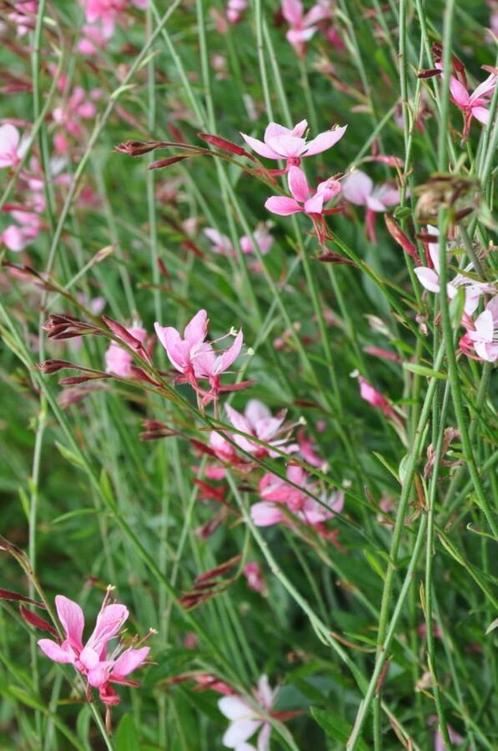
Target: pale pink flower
(259,422)
(358,188)
(475,105)
(484,334)
(254,577)
(278,495)
(246,719)
(195,358)
(302,26)
(18,236)
(429,278)
(24,15)
(91,659)
(108,12)
(118,360)
(10,139)
(210,365)
(263,238)
(92,39)
(376,399)
(305,201)
(220,244)
(290,143)
(235,10)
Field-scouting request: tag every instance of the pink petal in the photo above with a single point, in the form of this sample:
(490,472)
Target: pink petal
(325,141)
(238,421)
(287,146)
(300,129)
(459,92)
(14,238)
(265,693)
(263,738)
(72,619)
(282,205)
(99,675)
(196,330)
(108,625)
(9,140)
(485,88)
(129,661)
(298,185)
(259,147)
(481,114)
(230,355)
(428,278)
(314,205)
(234,707)
(239,731)
(357,187)
(292,11)
(55,652)
(273,130)
(374,204)
(484,326)
(265,514)
(256,411)
(89,658)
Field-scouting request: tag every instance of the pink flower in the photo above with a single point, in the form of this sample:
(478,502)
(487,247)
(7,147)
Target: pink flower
(262,237)
(246,720)
(304,201)
(118,360)
(254,577)
(220,244)
(277,494)
(429,278)
(195,358)
(484,335)
(302,25)
(376,399)
(455,738)
(9,146)
(359,189)
(289,144)
(473,105)
(91,659)
(182,352)
(24,16)
(259,422)
(17,236)
(235,10)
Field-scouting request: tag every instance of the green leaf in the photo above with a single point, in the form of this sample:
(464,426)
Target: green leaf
(423,371)
(335,727)
(69,455)
(126,738)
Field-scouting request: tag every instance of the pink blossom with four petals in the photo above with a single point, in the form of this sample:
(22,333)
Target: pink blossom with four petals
(305,201)
(358,188)
(278,495)
(195,358)
(92,659)
(290,143)
(475,105)
(302,26)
